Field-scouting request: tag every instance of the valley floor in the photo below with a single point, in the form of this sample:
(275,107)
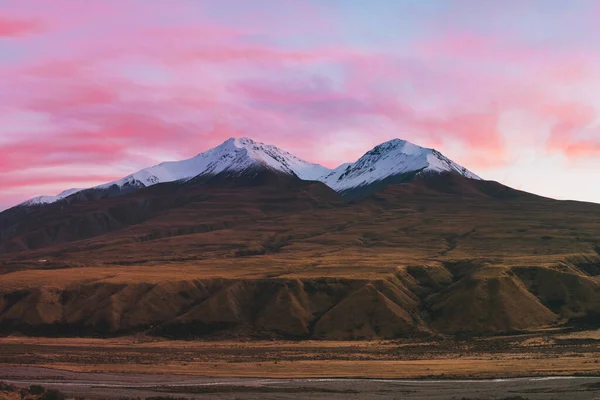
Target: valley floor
(152,386)
(243,366)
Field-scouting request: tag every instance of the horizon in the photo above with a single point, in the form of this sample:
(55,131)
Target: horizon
(95,92)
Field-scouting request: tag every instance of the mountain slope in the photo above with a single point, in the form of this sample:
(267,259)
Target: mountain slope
(395,161)
(50,199)
(28,228)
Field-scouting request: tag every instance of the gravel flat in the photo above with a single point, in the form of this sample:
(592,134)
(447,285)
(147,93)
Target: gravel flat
(119,385)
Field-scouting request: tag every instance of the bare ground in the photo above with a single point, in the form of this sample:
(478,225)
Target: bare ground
(127,385)
(144,367)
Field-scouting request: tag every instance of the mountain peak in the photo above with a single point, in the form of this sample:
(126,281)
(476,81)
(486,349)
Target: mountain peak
(244,141)
(241,142)
(235,156)
(400,145)
(394,158)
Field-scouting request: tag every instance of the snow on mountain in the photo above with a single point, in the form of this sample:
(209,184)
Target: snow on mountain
(234,155)
(50,199)
(395,157)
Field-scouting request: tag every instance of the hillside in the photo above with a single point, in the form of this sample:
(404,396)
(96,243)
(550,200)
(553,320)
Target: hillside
(268,254)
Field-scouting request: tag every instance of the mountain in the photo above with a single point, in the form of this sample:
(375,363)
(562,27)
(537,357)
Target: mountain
(395,161)
(244,241)
(234,157)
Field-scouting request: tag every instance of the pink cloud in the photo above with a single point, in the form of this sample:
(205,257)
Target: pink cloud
(574,132)
(73,97)
(465,45)
(12,27)
(55,151)
(17,182)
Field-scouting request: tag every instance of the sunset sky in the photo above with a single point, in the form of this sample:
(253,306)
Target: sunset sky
(91,91)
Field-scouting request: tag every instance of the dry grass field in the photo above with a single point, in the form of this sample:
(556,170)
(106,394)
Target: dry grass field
(548,354)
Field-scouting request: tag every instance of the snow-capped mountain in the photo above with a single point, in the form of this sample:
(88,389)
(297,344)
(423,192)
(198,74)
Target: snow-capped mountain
(233,156)
(393,158)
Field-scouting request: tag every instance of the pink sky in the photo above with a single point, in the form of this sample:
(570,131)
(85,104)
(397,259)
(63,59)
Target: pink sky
(93,91)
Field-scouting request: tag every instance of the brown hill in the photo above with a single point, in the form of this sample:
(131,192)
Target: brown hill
(189,203)
(276,256)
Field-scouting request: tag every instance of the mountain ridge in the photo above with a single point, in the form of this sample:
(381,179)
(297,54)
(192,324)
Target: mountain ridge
(394,158)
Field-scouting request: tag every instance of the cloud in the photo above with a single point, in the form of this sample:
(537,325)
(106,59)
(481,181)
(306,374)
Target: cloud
(576,132)
(13,27)
(56,180)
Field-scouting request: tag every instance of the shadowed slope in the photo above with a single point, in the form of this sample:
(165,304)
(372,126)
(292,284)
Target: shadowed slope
(28,228)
